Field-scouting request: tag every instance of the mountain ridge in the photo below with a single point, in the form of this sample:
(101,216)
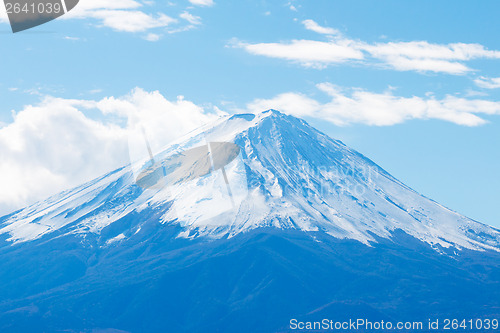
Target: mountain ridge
(109,256)
(289,175)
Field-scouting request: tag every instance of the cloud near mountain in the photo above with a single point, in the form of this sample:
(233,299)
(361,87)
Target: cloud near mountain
(57,144)
(60,143)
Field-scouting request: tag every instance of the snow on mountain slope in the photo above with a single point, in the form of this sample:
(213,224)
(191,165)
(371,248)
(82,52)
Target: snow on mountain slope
(288,175)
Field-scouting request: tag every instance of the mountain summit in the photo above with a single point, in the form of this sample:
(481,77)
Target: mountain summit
(250,224)
(288,176)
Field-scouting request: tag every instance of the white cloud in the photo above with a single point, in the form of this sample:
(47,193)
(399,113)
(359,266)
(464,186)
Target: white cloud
(424,56)
(292,103)
(132,21)
(196,20)
(419,56)
(120,15)
(425,65)
(128,16)
(152,37)
(313,26)
(474,93)
(54,145)
(379,109)
(181,29)
(51,146)
(308,53)
(131,16)
(425,50)
(89,5)
(202,2)
(488,83)
(290,6)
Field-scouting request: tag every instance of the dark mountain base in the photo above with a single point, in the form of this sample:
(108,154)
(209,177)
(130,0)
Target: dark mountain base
(255,282)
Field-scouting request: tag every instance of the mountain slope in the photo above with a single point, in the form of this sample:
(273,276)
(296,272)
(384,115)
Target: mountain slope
(288,175)
(312,230)
(254,282)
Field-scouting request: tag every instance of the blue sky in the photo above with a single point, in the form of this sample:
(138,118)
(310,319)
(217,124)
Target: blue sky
(414,86)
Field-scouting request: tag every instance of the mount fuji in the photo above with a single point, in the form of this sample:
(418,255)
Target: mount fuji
(297,226)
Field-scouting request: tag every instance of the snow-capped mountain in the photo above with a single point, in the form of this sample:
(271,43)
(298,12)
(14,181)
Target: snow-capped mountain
(288,176)
(304,228)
